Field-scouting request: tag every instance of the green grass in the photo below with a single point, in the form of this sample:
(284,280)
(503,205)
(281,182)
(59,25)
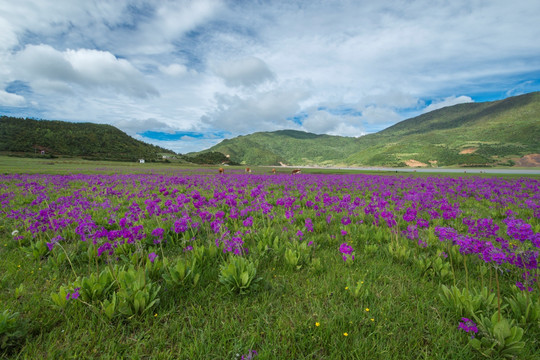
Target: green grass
(279,320)
(405,320)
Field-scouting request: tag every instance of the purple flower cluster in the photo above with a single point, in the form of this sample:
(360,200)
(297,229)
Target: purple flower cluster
(347,251)
(74,295)
(468,326)
(112,211)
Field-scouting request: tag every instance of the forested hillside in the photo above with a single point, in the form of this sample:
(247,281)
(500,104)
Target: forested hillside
(53,138)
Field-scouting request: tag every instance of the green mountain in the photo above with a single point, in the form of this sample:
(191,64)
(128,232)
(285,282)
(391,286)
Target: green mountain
(472,134)
(27,137)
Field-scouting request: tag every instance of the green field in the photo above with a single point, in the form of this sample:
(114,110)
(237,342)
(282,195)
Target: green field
(304,302)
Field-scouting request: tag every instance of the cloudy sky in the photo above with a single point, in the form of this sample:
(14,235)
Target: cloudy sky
(186,74)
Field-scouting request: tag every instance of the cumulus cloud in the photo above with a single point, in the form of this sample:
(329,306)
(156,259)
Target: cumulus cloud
(243,72)
(261,111)
(323,122)
(449,101)
(134,126)
(344,67)
(9,99)
(170,20)
(174,69)
(83,67)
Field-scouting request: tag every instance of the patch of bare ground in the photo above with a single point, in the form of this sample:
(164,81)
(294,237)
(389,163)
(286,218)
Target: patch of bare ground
(531,160)
(433,163)
(468,150)
(415,163)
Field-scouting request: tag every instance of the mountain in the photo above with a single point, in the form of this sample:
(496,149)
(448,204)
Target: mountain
(473,134)
(26,137)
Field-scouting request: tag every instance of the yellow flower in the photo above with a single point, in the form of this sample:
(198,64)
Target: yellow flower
(345,334)
(155,315)
(346,288)
(372,319)
(367,309)
(317,324)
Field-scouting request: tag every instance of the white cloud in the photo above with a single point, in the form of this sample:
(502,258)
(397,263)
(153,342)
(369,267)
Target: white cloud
(260,111)
(449,101)
(174,69)
(170,21)
(322,122)
(9,99)
(250,66)
(379,115)
(243,72)
(83,67)
(134,126)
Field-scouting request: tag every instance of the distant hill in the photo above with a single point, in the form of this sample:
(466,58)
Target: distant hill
(28,137)
(473,134)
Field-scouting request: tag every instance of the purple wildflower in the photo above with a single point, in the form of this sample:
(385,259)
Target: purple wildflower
(468,325)
(248,222)
(347,251)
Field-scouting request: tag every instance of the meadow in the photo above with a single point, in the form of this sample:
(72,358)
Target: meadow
(186,263)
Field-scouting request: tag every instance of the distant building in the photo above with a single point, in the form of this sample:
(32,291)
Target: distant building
(141,161)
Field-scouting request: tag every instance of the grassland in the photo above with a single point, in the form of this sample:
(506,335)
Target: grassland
(382,305)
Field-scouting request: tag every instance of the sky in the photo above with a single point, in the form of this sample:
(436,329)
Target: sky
(185,75)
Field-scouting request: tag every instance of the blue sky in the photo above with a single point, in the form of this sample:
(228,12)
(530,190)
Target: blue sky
(186,74)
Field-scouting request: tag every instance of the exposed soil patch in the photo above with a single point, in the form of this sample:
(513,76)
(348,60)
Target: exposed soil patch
(433,163)
(468,151)
(531,160)
(414,163)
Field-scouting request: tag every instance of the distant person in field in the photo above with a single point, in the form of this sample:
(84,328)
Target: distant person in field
(248,170)
(221,171)
(296,171)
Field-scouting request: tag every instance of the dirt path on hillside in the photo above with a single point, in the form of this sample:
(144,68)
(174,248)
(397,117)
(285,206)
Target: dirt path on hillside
(531,160)
(415,163)
(468,151)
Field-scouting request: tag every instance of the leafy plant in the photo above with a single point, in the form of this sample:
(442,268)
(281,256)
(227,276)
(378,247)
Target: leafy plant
(204,255)
(434,267)
(526,309)
(316,266)
(239,275)
(60,298)
(467,303)
(97,287)
(37,249)
(359,290)
(270,245)
(498,337)
(108,307)
(137,294)
(12,330)
(182,273)
(399,251)
(371,249)
(19,290)
(298,254)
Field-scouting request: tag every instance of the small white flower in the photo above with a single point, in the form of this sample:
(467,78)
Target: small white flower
(15,232)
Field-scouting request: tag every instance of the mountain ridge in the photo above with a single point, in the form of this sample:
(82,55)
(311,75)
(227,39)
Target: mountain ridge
(471,134)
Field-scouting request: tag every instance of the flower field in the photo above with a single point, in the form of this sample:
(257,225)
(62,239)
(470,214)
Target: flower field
(231,266)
